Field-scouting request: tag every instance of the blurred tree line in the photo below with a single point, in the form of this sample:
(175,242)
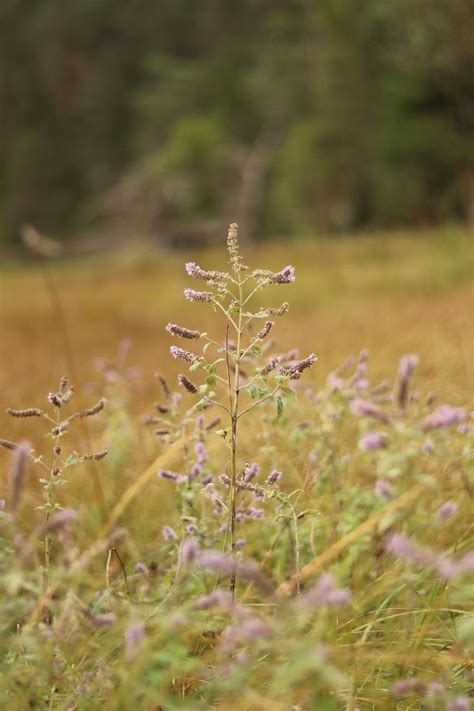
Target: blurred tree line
(172,117)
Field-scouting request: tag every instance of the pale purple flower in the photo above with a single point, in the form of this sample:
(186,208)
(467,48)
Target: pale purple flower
(198,296)
(324,593)
(251,470)
(335,382)
(408,364)
(195,271)
(295,371)
(217,562)
(460,703)
(250,630)
(383,489)
(372,441)
(180,353)
(217,598)
(207,479)
(274,476)
(446,510)
(167,474)
(106,619)
(134,638)
(60,521)
(201,452)
(405,686)
(142,568)
(183,332)
(363,408)
(191,528)
(168,533)
(189,551)
(443,416)
(255,512)
(404,547)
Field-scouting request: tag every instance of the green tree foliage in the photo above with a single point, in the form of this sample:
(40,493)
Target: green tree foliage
(176,117)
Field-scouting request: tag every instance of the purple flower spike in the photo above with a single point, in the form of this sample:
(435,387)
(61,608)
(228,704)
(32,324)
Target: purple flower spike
(383,489)
(460,703)
(325,594)
(443,416)
(168,533)
(372,441)
(189,551)
(446,510)
(274,477)
(363,408)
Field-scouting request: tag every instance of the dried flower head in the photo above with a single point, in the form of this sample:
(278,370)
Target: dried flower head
(183,332)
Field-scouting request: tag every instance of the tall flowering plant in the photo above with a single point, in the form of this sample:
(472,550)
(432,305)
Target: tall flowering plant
(243,344)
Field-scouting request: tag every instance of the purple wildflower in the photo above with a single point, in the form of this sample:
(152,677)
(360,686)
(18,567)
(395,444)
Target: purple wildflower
(195,271)
(274,476)
(202,455)
(404,686)
(251,470)
(60,521)
(256,513)
(383,489)
(404,547)
(198,296)
(134,638)
(460,703)
(263,333)
(191,528)
(107,619)
(446,510)
(168,533)
(166,474)
(218,598)
(183,332)
(325,594)
(271,365)
(177,353)
(142,569)
(372,441)
(363,408)
(406,368)
(443,416)
(189,551)
(187,384)
(427,447)
(295,371)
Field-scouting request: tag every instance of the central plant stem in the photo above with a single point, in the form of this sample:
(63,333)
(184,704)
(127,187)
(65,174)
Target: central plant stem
(234,421)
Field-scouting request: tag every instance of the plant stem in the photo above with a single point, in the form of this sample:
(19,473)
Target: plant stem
(234,420)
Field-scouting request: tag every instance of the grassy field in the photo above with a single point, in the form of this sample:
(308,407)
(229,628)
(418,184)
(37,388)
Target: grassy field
(102,323)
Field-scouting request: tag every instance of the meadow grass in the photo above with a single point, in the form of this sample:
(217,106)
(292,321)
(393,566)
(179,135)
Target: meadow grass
(396,294)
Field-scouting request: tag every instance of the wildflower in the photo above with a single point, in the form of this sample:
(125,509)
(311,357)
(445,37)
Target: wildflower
(195,271)
(362,408)
(251,470)
(60,521)
(18,473)
(285,276)
(446,510)
(460,703)
(265,330)
(218,598)
(28,412)
(274,477)
(233,248)
(134,638)
(295,371)
(90,411)
(250,630)
(183,332)
(97,456)
(443,416)
(372,441)
(280,311)
(406,368)
(198,296)
(142,569)
(168,533)
(180,353)
(187,384)
(105,620)
(7,444)
(405,686)
(201,451)
(383,489)
(325,594)
(403,547)
(167,474)
(189,551)
(271,365)
(217,562)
